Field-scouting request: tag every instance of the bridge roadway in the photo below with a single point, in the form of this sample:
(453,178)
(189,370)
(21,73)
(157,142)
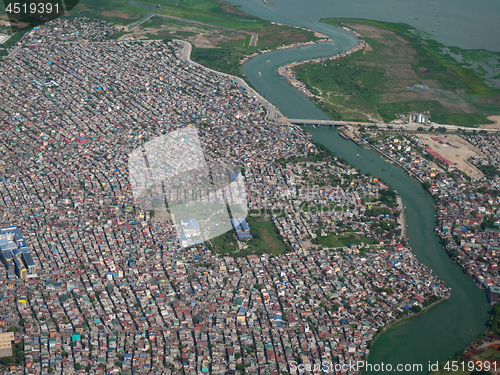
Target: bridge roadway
(315,122)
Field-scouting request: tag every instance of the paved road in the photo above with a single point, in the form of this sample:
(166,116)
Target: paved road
(14,52)
(253,40)
(272,113)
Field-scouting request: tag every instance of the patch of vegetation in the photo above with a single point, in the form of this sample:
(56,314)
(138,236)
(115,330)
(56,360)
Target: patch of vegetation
(220,59)
(266,238)
(125,12)
(225,243)
(489,171)
(9,43)
(118,35)
(388,197)
(397,74)
(227,55)
(17,355)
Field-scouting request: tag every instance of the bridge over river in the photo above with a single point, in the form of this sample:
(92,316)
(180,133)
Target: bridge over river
(316,122)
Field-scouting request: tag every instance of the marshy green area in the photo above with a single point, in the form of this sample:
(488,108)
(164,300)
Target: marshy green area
(399,72)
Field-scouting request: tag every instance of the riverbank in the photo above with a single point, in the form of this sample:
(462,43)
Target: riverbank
(286,71)
(228,53)
(406,319)
(321,38)
(382,82)
(272,113)
(186,57)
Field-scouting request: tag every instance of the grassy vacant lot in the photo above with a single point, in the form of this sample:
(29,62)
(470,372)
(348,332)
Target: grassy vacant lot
(9,43)
(398,72)
(225,243)
(266,240)
(342,240)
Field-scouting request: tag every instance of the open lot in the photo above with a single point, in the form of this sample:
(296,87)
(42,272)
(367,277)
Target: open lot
(495,125)
(455,149)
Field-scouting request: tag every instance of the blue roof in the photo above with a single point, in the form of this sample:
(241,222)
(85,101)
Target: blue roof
(191,224)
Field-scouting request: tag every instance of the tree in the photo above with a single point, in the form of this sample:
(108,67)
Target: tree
(51,369)
(240,367)
(6,360)
(416,309)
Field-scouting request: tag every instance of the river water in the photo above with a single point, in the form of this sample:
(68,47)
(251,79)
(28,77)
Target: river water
(451,325)
(461,23)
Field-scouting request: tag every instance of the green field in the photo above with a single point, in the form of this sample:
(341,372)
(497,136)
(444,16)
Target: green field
(266,240)
(225,243)
(398,73)
(126,12)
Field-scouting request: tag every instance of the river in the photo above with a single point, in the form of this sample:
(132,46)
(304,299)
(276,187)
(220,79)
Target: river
(461,23)
(451,325)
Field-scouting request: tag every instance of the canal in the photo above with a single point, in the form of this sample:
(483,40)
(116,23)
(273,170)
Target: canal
(444,329)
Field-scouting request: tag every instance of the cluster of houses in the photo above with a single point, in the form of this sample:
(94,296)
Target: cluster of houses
(112,289)
(468,212)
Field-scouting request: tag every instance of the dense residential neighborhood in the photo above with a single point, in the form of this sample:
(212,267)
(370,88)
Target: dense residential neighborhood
(112,289)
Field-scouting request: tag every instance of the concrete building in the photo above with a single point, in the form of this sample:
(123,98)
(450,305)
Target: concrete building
(6,340)
(14,253)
